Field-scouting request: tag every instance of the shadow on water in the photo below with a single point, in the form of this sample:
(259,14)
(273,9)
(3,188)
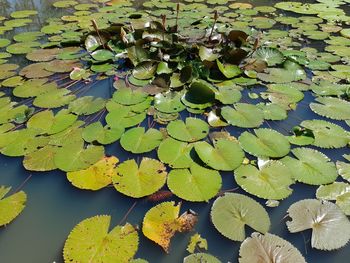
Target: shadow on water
(54,206)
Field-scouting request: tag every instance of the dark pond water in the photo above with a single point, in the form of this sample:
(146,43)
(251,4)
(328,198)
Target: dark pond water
(54,206)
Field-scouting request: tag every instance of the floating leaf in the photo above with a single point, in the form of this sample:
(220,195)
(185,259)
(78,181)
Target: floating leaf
(175,153)
(344,170)
(338,191)
(162,222)
(272,181)
(74,157)
(265,142)
(86,105)
(228,70)
(327,134)
(10,206)
(127,96)
(271,56)
(196,184)
(268,248)
(311,167)
(330,227)
(134,181)
(226,155)
(197,241)
(136,140)
(189,131)
(333,108)
(54,99)
(96,177)
(103,135)
(243,115)
(201,258)
(41,160)
(91,236)
(231,212)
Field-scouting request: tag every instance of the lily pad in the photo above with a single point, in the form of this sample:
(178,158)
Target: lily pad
(189,131)
(10,206)
(175,153)
(139,181)
(231,212)
(196,184)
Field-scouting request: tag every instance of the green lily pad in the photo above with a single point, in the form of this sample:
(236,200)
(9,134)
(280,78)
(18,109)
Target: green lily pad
(10,206)
(139,181)
(201,258)
(231,212)
(226,155)
(86,105)
(271,56)
(90,236)
(311,167)
(272,181)
(103,135)
(333,108)
(265,143)
(189,131)
(175,153)
(196,184)
(136,140)
(243,115)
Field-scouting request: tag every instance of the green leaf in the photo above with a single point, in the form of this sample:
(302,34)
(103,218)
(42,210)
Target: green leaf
(11,206)
(95,177)
(200,92)
(343,170)
(201,258)
(338,191)
(74,157)
(327,134)
(228,70)
(243,115)
(127,96)
(271,56)
(207,54)
(175,153)
(311,167)
(333,108)
(266,143)
(145,70)
(134,181)
(86,105)
(41,160)
(54,99)
(271,181)
(189,131)
(48,123)
(268,248)
(90,241)
(231,212)
(196,184)
(136,140)
(103,135)
(323,218)
(169,102)
(197,241)
(102,55)
(226,155)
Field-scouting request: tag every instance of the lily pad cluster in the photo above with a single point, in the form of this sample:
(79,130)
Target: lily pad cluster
(205,88)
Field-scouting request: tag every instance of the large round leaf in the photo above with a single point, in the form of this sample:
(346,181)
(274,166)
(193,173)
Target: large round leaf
(271,56)
(226,155)
(196,184)
(333,108)
(268,248)
(231,212)
(11,206)
(266,142)
(95,177)
(104,135)
(272,181)
(86,105)
(137,182)
(90,241)
(42,159)
(136,140)
(330,227)
(243,115)
(327,134)
(189,131)
(175,153)
(74,157)
(311,167)
(127,96)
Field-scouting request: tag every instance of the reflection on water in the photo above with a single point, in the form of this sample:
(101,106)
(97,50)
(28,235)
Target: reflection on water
(54,207)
